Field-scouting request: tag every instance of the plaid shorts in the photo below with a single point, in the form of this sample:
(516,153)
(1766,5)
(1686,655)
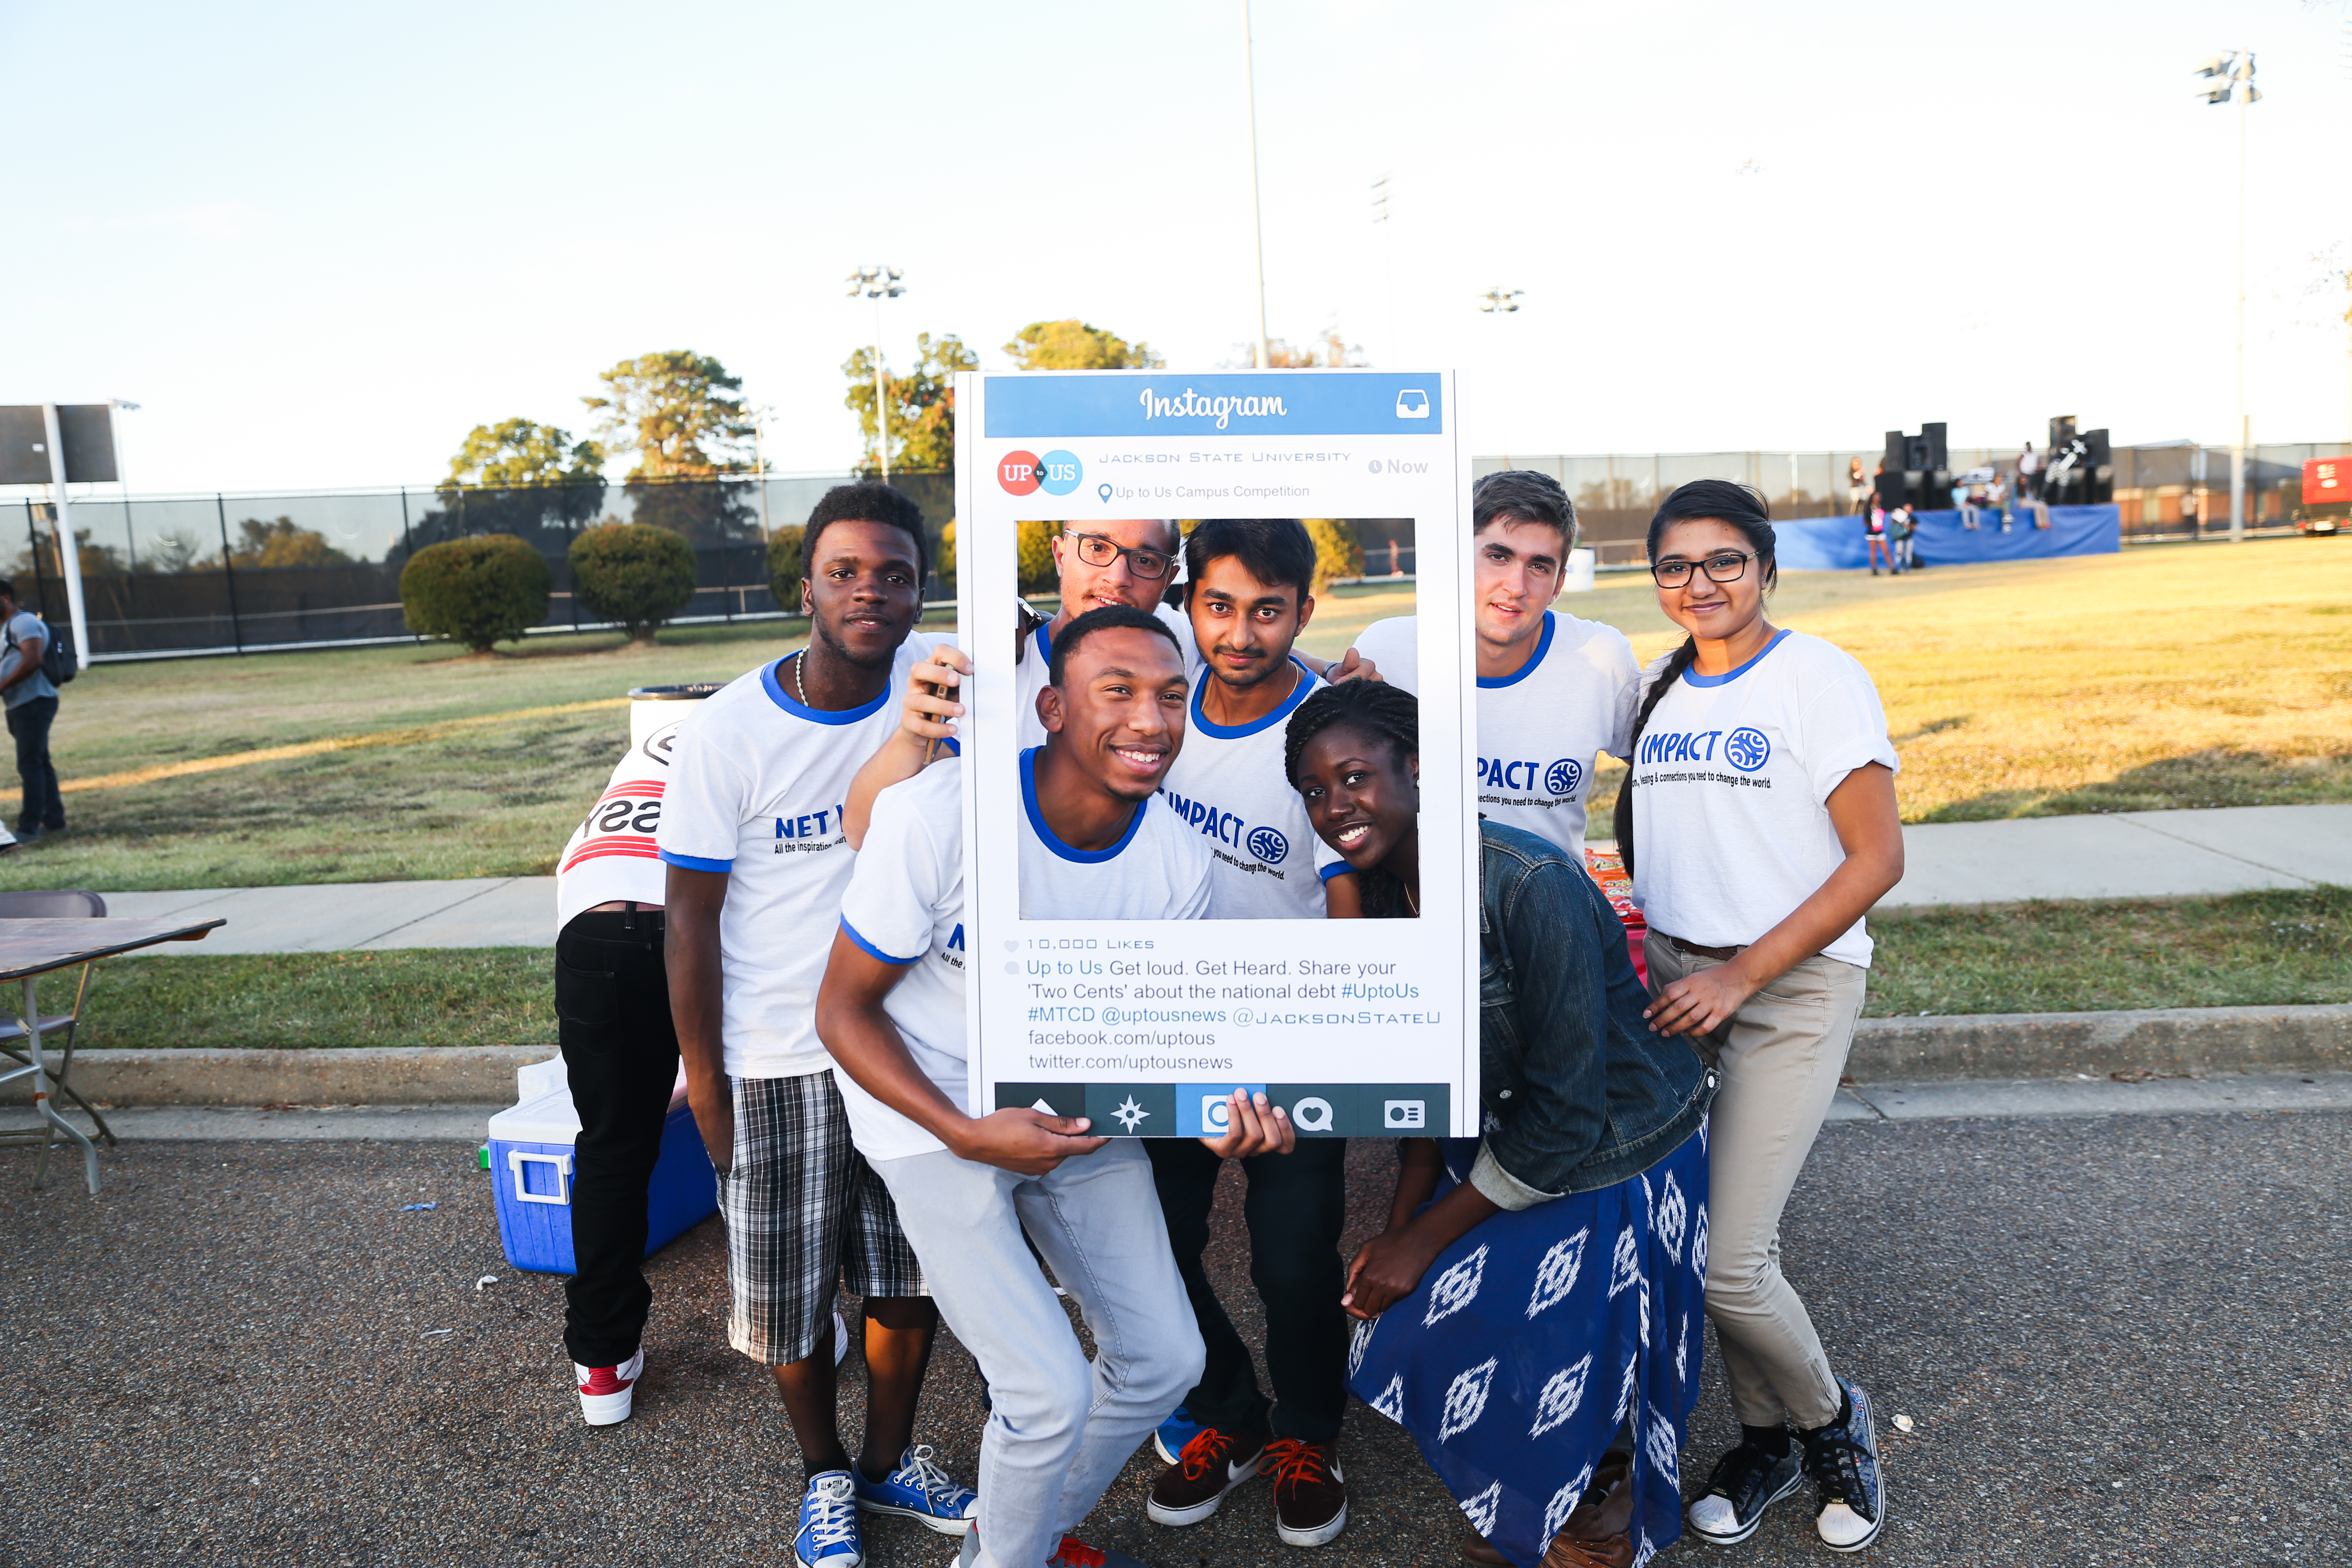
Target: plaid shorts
(803,1210)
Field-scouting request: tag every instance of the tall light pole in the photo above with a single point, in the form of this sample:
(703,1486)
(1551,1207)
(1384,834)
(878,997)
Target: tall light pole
(1257,210)
(877,284)
(760,412)
(2233,76)
(123,476)
(1388,258)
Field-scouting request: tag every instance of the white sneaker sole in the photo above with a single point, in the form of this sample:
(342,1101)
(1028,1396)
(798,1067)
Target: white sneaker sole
(1735,1537)
(930,1522)
(612,1409)
(1320,1535)
(1878,1525)
(1200,1511)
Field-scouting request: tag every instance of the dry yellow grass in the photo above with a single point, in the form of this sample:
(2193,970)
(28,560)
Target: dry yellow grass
(2182,676)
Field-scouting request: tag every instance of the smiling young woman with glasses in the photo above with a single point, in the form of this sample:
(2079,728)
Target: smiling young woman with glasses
(1759,823)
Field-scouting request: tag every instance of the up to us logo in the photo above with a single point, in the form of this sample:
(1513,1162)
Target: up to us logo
(1025,473)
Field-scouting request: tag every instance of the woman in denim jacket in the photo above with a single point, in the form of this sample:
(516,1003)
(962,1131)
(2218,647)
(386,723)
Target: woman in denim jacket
(1540,1289)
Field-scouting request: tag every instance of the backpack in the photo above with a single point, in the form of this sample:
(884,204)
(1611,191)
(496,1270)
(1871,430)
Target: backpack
(57,661)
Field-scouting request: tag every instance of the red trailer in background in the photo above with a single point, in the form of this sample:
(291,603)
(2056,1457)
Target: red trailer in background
(2326,496)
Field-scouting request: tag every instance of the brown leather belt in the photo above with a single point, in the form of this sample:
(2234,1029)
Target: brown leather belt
(1720,954)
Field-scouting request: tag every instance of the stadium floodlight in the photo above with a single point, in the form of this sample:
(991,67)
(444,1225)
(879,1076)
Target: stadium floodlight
(1499,301)
(878,283)
(2231,76)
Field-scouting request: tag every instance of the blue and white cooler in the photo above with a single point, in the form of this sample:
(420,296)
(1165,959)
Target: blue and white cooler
(531,1165)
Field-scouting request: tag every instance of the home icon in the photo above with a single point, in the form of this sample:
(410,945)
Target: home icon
(1413,403)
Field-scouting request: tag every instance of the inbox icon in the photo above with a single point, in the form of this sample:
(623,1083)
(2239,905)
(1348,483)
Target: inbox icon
(1412,402)
(1405,1113)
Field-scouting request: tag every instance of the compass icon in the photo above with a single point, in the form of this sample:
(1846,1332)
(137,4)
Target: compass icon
(1130,1114)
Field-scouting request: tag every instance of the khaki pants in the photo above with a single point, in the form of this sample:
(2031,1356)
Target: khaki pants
(1781,1056)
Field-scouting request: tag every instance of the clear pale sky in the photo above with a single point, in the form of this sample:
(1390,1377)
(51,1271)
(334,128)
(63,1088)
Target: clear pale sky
(320,243)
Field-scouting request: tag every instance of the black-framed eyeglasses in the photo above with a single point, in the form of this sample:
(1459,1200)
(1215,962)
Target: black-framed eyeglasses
(1096,550)
(1727,566)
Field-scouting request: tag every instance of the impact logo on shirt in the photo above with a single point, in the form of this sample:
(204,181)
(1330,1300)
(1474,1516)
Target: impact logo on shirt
(1744,748)
(1747,749)
(953,954)
(1562,778)
(1268,845)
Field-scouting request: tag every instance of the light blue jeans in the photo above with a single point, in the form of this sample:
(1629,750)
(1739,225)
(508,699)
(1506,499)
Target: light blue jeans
(1060,1429)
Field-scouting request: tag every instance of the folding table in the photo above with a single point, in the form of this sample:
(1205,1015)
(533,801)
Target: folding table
(32,948)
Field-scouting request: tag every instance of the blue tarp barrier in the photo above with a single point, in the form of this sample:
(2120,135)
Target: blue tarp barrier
(1838,544)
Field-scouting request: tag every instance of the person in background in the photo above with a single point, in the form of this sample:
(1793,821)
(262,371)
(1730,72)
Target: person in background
(1532,1313)
(1857,486)
(1997,498)
(620,1060)
(1554,692)
(1759,823)
(1874,526)
(1901,527)
(32,703)
(758,859)
(1964,501)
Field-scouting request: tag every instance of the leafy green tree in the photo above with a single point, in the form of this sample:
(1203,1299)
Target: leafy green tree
(784,567)
(677,412)
(280,543)
(479,591)
(922,404)
(945,562)
(634,574)
(1073,345)
(518,452)
(1036,548)
(1338,552)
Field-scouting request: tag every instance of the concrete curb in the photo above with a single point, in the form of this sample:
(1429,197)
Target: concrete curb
(2054,1045)
(388,1075)
(2171,1040)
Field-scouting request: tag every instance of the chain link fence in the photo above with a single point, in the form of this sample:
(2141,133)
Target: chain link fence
(2171,490)
(179,574)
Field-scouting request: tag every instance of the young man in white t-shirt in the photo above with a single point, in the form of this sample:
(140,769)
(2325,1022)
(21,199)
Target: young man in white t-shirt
(620,1059)
(1246,593)
(1554,692)
(974,1192)
(751,834)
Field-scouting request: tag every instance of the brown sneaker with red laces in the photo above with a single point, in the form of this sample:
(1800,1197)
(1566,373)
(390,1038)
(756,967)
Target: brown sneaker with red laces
(1310,1494)
(1213,1464)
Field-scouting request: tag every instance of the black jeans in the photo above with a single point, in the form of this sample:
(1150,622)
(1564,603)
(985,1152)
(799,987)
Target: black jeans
(1296,1208)
(29,723)
(620,1053)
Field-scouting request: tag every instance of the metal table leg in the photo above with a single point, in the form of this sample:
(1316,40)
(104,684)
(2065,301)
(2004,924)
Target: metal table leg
(43,1103)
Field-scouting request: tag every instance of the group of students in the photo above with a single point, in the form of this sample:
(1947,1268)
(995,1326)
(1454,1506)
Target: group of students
(773,893)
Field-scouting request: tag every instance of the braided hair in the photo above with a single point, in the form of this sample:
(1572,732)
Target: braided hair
(1744,508)
(1378,711)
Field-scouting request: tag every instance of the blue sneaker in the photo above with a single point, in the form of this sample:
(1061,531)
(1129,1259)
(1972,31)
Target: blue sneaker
(1843,1459)
(827,1536)
(1174,1433)
(918,1489)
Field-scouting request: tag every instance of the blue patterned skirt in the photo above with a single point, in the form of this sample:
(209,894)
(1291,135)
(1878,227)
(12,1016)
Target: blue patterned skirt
(1531,1338)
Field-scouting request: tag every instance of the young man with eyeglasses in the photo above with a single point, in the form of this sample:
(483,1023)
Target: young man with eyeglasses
(1554,691)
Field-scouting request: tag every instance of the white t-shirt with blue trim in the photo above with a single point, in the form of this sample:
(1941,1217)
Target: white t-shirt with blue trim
(1159,871)
(1031,675)
(1731,781)
(1542,730)
(755,790)
(905,907)
(1228,785)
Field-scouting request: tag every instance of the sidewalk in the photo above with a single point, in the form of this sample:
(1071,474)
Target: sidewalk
(2135,854)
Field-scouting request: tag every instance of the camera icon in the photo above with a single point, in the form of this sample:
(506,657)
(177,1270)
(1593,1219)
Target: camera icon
(1217,1115)
(1405,1113)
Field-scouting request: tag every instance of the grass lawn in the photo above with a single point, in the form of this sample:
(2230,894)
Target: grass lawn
(2192,675)
(2256,948)
(2168,676)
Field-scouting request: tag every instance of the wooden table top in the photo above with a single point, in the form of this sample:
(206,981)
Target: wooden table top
(37,947)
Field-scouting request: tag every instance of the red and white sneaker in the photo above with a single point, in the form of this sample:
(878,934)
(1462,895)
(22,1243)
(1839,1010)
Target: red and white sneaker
(605,1392)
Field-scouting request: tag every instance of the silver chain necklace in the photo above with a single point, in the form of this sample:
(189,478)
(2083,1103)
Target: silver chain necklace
(798,689)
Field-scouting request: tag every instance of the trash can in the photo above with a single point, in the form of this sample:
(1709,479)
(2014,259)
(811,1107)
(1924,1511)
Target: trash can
(649,706)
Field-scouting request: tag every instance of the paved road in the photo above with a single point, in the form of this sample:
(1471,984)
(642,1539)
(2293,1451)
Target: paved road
(2141,854)
(2122,1340)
